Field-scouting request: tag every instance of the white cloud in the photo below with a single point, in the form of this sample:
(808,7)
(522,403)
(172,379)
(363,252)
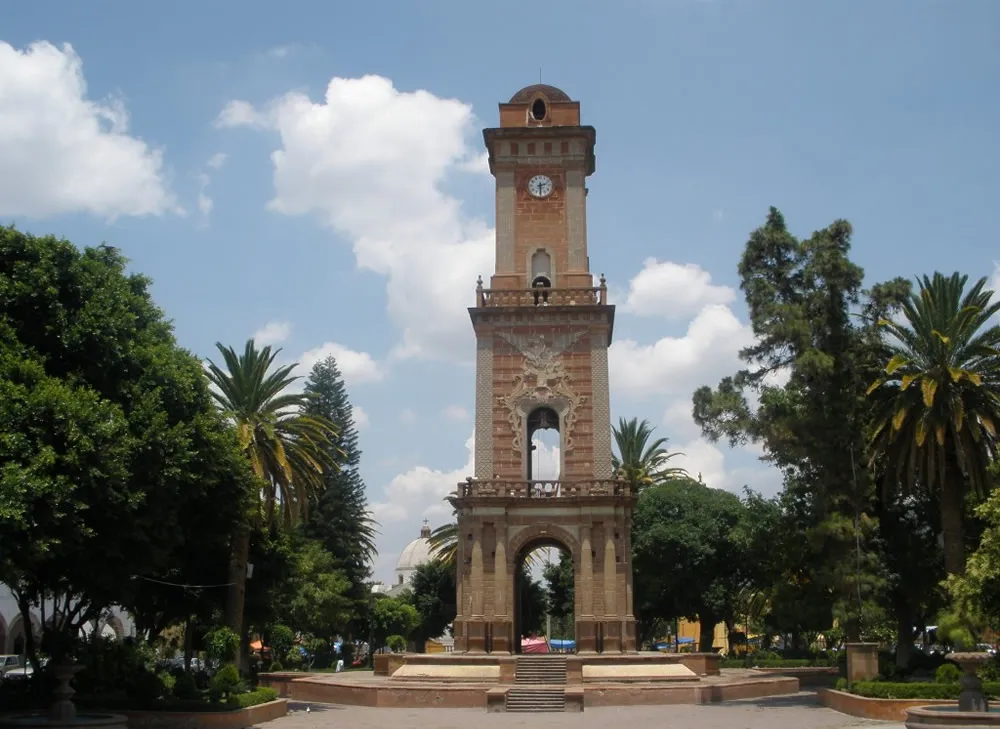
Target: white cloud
(274,332)
(369,161)
(419,493)
(217,160)
(356,367)
(679,365)
(673,290)
(455,412)
(280,51)
(361,419)
(407,416)
(61,152)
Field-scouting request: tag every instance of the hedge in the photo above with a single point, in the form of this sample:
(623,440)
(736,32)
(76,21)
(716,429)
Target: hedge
(915,690)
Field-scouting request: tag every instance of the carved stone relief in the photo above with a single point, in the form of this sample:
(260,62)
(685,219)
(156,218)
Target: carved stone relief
(543,381)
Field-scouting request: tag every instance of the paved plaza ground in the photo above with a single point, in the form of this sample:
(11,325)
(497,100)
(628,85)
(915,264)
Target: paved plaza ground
(781,712)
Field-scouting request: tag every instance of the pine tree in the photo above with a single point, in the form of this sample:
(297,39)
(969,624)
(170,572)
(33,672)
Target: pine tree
(341,520)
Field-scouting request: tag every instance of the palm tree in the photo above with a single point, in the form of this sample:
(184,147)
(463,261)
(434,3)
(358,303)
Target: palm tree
(444,543)
(938,405)
(288,450)
(640,462)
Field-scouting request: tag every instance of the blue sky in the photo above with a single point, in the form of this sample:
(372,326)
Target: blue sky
(202,139)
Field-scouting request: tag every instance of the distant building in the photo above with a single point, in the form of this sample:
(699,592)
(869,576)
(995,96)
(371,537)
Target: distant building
(116,625)
(414,554)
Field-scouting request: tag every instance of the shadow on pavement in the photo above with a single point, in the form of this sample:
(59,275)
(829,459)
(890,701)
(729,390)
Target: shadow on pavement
(313,708)
(803,700)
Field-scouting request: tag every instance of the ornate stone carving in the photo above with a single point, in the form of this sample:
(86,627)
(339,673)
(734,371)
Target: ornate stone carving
(484,408)
(543,381)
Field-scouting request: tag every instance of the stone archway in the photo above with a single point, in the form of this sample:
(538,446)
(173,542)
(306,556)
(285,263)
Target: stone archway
(521,547)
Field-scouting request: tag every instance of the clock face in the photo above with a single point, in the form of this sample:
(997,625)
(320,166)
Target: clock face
(540,186)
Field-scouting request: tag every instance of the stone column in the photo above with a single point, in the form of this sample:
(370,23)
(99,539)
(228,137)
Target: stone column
(461,575)
(506,203)
(612,610)
(585,639)
(477,633)
(502,584)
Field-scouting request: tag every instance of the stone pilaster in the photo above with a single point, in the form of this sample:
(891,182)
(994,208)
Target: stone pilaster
(506,204)
(601,408)
(484,408)
(576,219)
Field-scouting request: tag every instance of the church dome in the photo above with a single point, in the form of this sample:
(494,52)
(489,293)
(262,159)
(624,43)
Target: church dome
(414,554)
(529,92)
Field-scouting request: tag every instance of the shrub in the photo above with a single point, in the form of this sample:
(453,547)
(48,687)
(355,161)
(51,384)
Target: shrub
(221,645)
(947,673)
(225,682)
(914,690)
(185,686)
(294,659)
(396,643)
(146,687)
(168,681)
(252,698)
(276,666)
(280,640)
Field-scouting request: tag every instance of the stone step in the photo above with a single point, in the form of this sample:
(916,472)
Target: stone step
(523,700)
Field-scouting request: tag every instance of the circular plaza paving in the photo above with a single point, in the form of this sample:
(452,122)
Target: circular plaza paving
(778,712)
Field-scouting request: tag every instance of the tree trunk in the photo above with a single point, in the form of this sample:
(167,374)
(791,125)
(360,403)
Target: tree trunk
(30,649)
(706,633)
(952,518)
(188,643)
(236,595)
(904,635)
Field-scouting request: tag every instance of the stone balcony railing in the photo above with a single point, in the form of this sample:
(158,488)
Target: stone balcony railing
(541,296)
(504,489)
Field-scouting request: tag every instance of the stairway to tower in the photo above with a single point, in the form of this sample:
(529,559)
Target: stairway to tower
(538,685)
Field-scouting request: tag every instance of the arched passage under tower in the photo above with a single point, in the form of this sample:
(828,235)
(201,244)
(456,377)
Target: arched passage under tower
(544,589)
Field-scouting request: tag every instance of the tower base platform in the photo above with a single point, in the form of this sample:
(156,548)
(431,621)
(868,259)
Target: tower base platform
(461,681)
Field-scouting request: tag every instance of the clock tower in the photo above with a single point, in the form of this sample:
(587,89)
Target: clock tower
(542,334)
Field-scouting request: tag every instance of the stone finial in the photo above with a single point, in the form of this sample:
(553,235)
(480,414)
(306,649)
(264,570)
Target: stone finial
(604,282)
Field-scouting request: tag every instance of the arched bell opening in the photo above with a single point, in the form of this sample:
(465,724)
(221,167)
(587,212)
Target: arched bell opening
(544,445)
(544,593)
(541,275)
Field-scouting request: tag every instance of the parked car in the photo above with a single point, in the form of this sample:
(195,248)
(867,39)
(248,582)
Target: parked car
(10,664)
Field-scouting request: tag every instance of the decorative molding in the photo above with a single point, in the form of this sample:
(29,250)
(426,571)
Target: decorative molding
(576,220)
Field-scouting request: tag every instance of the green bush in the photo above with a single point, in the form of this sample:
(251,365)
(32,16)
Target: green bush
(221,645)
(252,698)
(168,681)
(396,643)
(225,682)
(947,673)
(146,688)
(276,666)
(914,690)
(294,659)
(280,640)
(185,686)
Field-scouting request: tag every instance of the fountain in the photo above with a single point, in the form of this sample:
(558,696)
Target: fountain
(62,714)
(973,709)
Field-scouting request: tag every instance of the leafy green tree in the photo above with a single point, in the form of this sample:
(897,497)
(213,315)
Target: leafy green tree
(976,592)
(432,593)
(817,348)
(288,450)
(531,621)
(110,449)
(640,462)
(939,399)
(341,519)
(392,616)
(560,595)
(686,558)
(319,603)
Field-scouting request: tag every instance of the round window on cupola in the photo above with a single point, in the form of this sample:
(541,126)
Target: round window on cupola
(538,110)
